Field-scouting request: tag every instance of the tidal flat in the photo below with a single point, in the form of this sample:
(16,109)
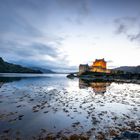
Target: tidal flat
(53,107)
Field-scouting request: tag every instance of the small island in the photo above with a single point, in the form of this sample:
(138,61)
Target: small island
(98,71)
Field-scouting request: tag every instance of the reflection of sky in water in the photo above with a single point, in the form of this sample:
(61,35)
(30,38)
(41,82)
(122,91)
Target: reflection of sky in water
(62,102)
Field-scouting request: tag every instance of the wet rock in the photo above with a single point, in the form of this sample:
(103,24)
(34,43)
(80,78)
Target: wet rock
(20,117)
(78,137)
(18,106)
(101,136)
(7,130)
(43,130)
(113,133)
(35,110)
(128,135)
(45,112)
(131,135)
(65,110)
(12,120)
(75,124)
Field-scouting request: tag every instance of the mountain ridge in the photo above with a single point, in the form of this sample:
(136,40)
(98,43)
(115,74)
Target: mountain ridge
(6,67)
(44,70)
(132,69)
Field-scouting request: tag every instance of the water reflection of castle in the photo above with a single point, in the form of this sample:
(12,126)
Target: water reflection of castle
(98,87)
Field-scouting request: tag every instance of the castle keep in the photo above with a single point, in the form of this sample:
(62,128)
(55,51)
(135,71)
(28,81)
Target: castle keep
(99,65)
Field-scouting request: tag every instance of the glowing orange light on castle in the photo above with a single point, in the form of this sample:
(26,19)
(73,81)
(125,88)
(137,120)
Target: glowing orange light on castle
(99,65)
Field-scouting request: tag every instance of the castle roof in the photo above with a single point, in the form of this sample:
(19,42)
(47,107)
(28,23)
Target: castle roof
(96,60)
(83,64)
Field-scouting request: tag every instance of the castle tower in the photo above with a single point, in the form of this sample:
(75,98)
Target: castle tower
(83,68)
(99,63)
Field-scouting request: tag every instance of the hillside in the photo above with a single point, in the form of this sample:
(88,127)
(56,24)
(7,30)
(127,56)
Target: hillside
(132,69)
(6,67)
(43,70)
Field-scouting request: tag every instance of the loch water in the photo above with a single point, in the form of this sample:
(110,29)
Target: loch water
(37,106)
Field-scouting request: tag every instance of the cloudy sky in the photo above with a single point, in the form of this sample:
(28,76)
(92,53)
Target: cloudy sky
(64,33)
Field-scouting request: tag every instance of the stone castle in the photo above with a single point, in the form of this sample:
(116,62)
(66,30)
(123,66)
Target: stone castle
(99,65)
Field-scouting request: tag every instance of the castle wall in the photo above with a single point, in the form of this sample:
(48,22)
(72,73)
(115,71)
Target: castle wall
(83,68)
(99,69)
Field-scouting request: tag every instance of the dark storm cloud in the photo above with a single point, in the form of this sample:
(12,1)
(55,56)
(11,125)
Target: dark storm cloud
(129,26)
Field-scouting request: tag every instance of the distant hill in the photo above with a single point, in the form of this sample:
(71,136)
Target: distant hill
(6,67)
(132,69)
(43,70)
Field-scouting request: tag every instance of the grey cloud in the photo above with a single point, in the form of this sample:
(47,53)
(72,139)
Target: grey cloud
(83,11)
(21,39)
(125,26)
(82,6)
(134,37)
(77,10)
(27,50)
(14,23)
(35,54)
(109,61)
(121,29)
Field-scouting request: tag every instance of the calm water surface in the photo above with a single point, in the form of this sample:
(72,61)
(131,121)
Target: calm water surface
(37,106)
